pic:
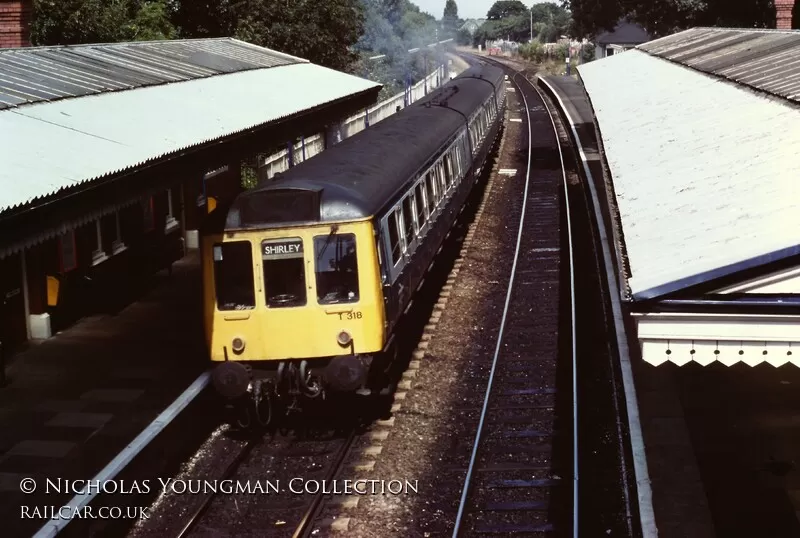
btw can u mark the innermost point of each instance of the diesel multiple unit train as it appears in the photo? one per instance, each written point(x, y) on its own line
point(306, 277)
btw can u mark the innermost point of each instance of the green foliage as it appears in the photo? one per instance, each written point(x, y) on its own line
point(323, 32)
point(550, 22)
point(393, 27)
point(450, 20)
point(663, 17)
point(328, 29)
point(249, 175)
point(152, 23)
point(204, 18)
point(533, 51)
point(464, 37)
point(537, 53)
point(67, 22)
point(418, 29)
point(506, 8)
point(587, 53)
point(514, 28)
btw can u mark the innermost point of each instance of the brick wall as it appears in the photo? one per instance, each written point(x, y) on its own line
point(784, 14)
point(15, 23)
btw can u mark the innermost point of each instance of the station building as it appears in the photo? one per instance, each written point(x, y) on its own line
point(701, 149)
point(112, 155)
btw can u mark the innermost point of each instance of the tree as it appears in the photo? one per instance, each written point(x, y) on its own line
point(450, 18)
point(322, 32)
point(464, 37)
point(379, 35)
point(663, 17)
point(506, 8)
point(590, 17)
point(204, 18)
point(550, 21)
point(67, 22)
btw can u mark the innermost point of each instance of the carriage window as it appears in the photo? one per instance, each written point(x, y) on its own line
point(284, 272)
point(336, 268)
point(440, 178)
point(431, 195)
point(447, 170)
point(408, 219)
point(233, 276)
point(394, 237)
point(420, 205)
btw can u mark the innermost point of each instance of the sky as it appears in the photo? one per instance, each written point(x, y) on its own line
point(467, 9)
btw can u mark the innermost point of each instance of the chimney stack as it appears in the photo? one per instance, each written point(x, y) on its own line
point(783, 10)
point(15, 23)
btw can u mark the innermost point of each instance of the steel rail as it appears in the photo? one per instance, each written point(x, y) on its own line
point(305, 527)
point(473, 456)
point(640, 469)
point(229, 471)
point(572, 319)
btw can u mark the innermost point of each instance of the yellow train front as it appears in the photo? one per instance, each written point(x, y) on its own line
point(308, 277)
point(282, 293)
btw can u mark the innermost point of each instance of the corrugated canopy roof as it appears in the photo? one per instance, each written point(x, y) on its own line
point(34, 74)
point(766, 60)
point(49, 146)
point(705, 172)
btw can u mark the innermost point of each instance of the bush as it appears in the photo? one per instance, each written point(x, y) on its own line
point(561, 53)
point(587, 53)
point(533, 52)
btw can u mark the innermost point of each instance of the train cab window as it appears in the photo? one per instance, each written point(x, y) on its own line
point(429, 188)
point(408, 218)
point(284, 272)
point(233, 275)
point(336, 268)
point(420, 204)
point(394, 237)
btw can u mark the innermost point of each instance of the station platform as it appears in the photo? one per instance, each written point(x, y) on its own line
point(679, 499)
point(74, 401)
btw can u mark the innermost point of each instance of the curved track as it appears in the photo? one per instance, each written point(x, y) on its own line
point(532, 379)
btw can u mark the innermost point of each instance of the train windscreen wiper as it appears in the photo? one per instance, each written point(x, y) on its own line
point(334, 229)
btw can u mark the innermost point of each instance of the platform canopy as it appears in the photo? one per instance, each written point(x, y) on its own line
point(71, 115)
point(701, 136)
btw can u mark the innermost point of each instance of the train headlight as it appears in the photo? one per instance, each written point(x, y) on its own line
point(344, 338)
point(237, 345)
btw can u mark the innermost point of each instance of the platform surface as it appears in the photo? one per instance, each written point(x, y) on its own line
point(74, 401)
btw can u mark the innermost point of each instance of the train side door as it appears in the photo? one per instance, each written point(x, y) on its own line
point(393, 260)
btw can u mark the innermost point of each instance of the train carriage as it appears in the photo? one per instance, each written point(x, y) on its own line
point(306, 277)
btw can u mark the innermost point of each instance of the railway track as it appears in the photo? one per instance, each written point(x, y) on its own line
point(319, 458)
point(523, 470)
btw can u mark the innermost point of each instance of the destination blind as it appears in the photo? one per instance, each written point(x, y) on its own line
point(282, 248)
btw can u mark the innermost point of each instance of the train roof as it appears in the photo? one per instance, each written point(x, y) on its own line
point(361, 175)
point(491, 73)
